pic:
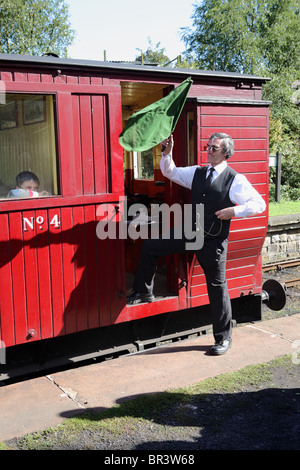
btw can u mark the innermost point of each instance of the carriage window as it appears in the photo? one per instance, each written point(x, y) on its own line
point(27, 145)
point(143, 164)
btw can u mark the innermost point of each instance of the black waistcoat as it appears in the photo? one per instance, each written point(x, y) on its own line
point(215, 198)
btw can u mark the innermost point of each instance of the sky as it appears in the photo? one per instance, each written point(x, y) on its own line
point(122, 27)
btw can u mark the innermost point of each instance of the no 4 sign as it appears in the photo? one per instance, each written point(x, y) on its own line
point(31, 223)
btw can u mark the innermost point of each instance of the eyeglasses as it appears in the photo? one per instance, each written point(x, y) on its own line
point(213, 148)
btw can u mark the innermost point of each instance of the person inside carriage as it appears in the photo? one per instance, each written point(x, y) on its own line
point(27, 185)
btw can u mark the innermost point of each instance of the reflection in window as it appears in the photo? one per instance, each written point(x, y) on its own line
point(143, 165)
point(27, 146)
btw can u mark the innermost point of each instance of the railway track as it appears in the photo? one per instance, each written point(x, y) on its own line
point(281, 265)
point(292, 282)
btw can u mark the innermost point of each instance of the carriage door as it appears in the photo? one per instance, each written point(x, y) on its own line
point(184, 155)
point(99, 179)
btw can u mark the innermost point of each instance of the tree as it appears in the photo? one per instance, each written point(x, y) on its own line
point(261, 38)
point(244, 36)
point(35, 27)
point(285, 131)
point(284, 110)
point(154, 54)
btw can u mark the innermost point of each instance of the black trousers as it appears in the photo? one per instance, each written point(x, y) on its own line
point(212, 259)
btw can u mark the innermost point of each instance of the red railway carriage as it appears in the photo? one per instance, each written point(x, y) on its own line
point(61, 119)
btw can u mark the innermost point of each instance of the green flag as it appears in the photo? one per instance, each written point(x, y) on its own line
point(156, 122)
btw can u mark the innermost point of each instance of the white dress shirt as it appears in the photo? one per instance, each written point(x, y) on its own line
point(248, 200)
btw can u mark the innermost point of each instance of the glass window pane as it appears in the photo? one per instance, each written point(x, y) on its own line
point(28, 165)
point(143, 165)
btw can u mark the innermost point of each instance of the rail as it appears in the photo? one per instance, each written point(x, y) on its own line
point(292, 282)
point(281, 265)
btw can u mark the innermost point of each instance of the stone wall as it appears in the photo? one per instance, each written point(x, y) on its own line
point(283, 239)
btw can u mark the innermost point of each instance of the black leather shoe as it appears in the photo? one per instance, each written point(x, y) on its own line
point(138, 298)
point(221, 348)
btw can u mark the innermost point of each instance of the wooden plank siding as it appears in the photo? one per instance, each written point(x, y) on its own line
point(56, 276)
point(248, 126)
point(57, 280)
point(54, 279)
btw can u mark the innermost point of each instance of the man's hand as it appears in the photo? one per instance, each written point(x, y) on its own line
point(167, 145)
point(225, 214)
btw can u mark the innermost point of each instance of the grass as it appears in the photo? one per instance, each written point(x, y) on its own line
point(284, 207)
point(144, 411)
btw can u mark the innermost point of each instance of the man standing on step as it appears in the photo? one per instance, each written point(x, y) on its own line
point(224, 194)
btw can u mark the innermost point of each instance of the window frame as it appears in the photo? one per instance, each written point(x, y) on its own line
point(19, 97)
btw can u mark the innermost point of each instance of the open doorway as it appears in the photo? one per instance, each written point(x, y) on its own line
point(144, 182)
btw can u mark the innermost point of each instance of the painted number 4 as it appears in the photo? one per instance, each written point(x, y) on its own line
point(29, 222)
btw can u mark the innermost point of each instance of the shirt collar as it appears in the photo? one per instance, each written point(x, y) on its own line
point(219, 168)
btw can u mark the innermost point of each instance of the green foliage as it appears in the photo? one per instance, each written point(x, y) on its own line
point(35, 27)
point(244, 36)
point(154, 54)
point(290, 172)
point(281, 39)
point(284, 133)
point(284, 207)
point(290, 169)
point(260, 38)
point(285, 113)
point(222, 37)
point(184, 62)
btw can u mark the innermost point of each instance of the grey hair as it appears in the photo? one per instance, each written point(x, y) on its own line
point(228, 143)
